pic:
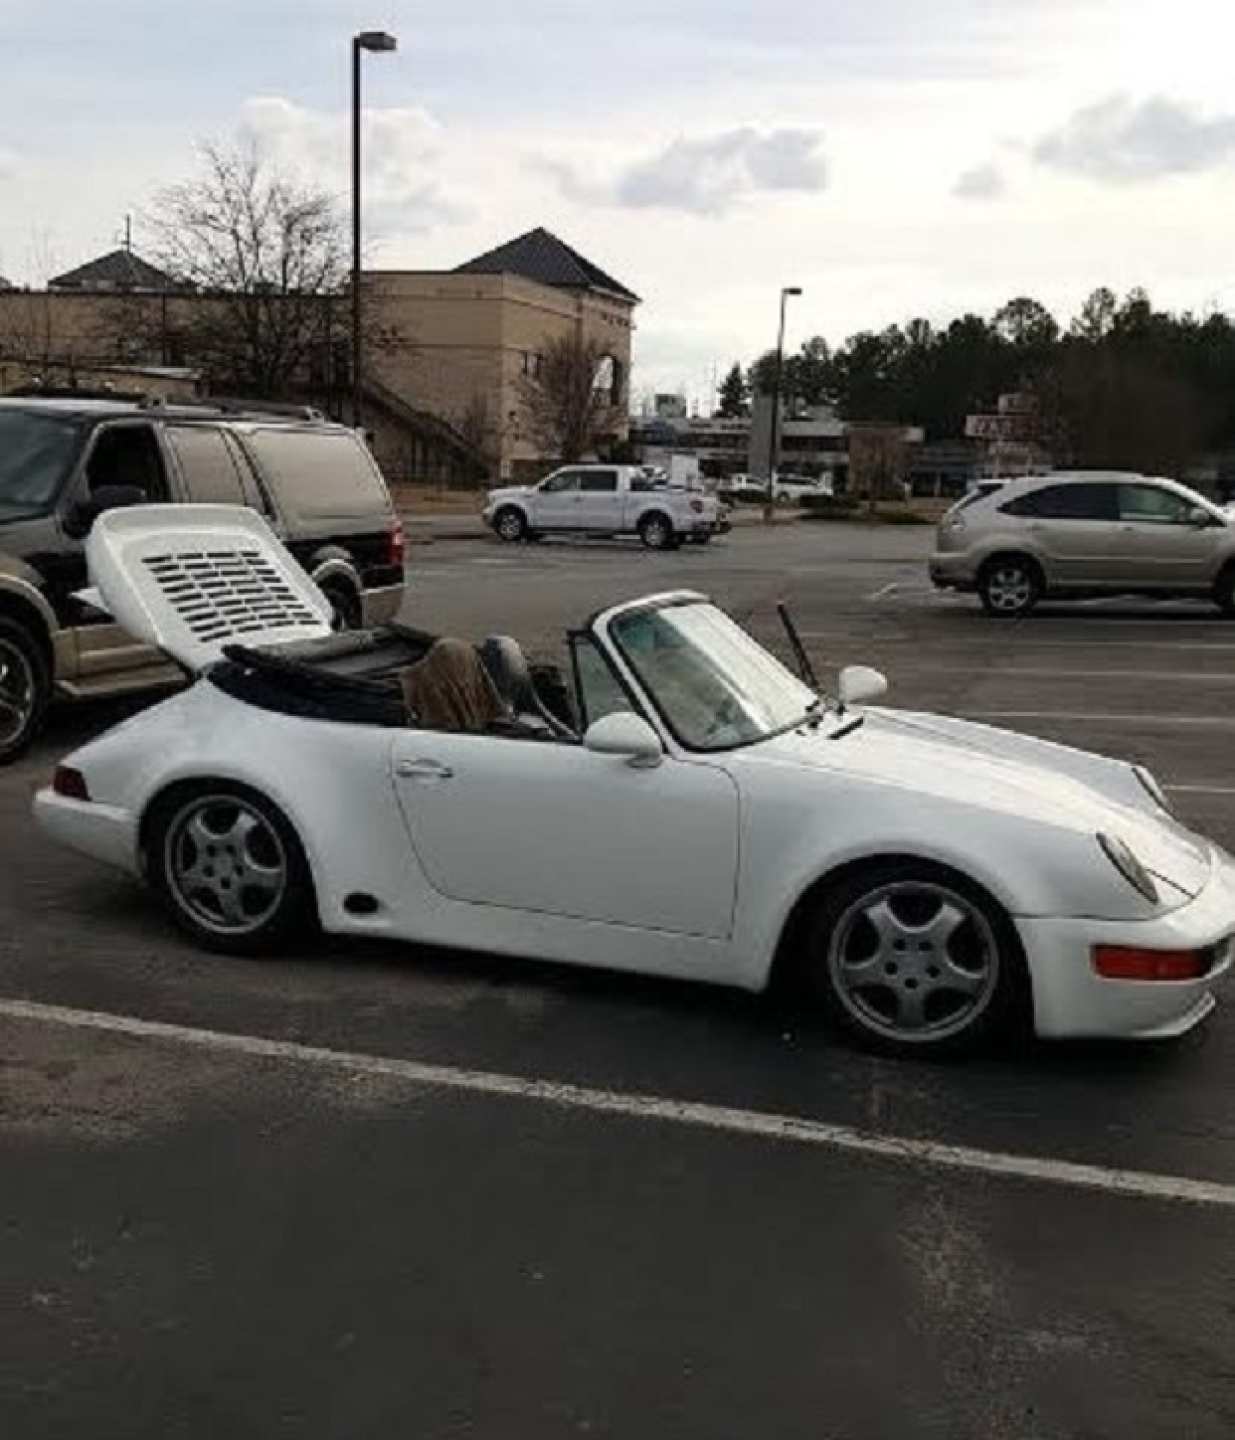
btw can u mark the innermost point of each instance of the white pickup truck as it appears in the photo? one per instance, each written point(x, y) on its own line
point(605, 500)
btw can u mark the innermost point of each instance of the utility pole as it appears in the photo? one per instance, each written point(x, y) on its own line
point(774, 425)
point(374, 41)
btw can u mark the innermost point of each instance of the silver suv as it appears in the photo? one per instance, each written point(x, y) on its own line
point(1085, 533)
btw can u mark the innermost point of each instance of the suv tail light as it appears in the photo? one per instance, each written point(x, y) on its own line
point(70, 783)
point(1127, 962)
point(396, 545)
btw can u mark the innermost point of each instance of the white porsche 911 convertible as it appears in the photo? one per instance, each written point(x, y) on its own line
point(671, 800)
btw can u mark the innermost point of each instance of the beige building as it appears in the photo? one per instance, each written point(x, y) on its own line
point(471, 338)
point(444, 402)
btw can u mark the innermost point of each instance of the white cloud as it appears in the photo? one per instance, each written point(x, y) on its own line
point(1123, 142)
point(403, 156)
point(983, 182)
point(10, 165)
point(707, 175)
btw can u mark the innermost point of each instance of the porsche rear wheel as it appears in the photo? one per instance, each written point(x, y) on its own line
point(230, 868)
point(913, 958)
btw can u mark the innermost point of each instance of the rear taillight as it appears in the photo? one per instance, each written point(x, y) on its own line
point(396, 545)
point(70, 783)
point(697, 506)
point(1127, 962)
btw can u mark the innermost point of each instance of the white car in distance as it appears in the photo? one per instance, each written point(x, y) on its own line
point(691, 809)
point(604, 500)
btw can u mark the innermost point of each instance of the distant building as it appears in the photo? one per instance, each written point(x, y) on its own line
point(444, 400)
point(669, 407)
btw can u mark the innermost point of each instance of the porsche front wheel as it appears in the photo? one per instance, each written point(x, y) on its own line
point(230, 868)
point(914, 958)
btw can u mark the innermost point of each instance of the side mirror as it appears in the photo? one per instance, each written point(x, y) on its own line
point(1198, 517)
point(81, 516)
point(859, 683)
point(628, 734)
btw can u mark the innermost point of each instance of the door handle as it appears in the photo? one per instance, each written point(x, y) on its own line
point(422, 769)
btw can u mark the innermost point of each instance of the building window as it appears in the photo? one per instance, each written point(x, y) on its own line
point(531, 364)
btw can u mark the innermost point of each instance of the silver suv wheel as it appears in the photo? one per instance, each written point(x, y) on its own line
point(1009, 587)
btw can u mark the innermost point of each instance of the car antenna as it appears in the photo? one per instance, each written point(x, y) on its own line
point(805, 668)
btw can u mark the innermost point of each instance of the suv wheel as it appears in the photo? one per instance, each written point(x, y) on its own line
point(510, 525)
point(25, 688)
point(345, 604)
point(1009, 586)
point(1224, 591)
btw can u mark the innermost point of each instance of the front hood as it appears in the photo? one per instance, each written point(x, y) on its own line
point(193, 579)
point(509, 492)
point(1014, 775)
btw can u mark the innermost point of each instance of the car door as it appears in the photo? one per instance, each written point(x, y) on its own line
point(556, 829)
point(557, 502)
point(1074, 526)
point(600, 505)
point(1165, 546)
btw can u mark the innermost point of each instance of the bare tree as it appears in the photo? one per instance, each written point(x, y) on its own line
point(258, 264)
point(478, 426)
point(574, 400)
point(878, 458)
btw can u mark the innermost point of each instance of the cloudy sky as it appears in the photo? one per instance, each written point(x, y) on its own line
point(890, 157)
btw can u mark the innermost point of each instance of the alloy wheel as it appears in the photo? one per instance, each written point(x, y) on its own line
point(225, 864)
point(914, 961)
point(655, 533)
point(1009, 588)
point(510, 525)
point(18, 692)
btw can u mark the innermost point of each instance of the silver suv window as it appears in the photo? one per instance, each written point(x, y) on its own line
point(1152, 505)
point(1073, 500)
point(598, 481)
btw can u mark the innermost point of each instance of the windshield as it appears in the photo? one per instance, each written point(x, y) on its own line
point(715, 687)
point(36, 452)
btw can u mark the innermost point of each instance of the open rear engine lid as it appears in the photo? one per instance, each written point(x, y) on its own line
point(192, 579)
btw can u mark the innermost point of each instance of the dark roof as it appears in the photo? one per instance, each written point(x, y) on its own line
point(119, 270)
point(542, 257)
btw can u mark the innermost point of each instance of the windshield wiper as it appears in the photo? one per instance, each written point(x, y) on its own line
point(805, 668)
point(848, 727)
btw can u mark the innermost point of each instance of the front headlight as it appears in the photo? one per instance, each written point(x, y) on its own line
point(1119, 853)
point(1149, 783)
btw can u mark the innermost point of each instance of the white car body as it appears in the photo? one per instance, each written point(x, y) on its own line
point(603, 500)
point(789, 489)
point(679, 863)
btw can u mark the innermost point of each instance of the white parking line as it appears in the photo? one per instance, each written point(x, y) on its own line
point(1201, 789)
point(787, 1128)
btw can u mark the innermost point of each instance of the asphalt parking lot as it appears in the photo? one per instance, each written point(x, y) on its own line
point(343, 1193)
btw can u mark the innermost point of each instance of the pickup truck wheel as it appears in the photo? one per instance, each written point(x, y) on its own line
point(510, 525)
point(656, 531)
point(25, 689)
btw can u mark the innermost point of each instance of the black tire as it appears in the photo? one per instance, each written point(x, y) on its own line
point(1224, 591)
point(656, 531)
point(345, 602)
point(175, 845)
point(1009, 586)
point(510, 525)
point(25, 688)
point(889, 987)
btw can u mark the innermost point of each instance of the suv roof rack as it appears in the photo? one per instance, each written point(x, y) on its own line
point(236, 408)
point(35, 391)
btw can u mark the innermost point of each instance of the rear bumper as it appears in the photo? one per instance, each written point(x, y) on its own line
point(104, 832)
point(380, 605)
point(1071, 1000)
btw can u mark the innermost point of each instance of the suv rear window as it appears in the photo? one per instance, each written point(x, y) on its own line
point(320, 474)
point(206, 464)
point(1076, 500)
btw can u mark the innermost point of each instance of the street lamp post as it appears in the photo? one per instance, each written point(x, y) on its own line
point(372, 40)
point(774, 426)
